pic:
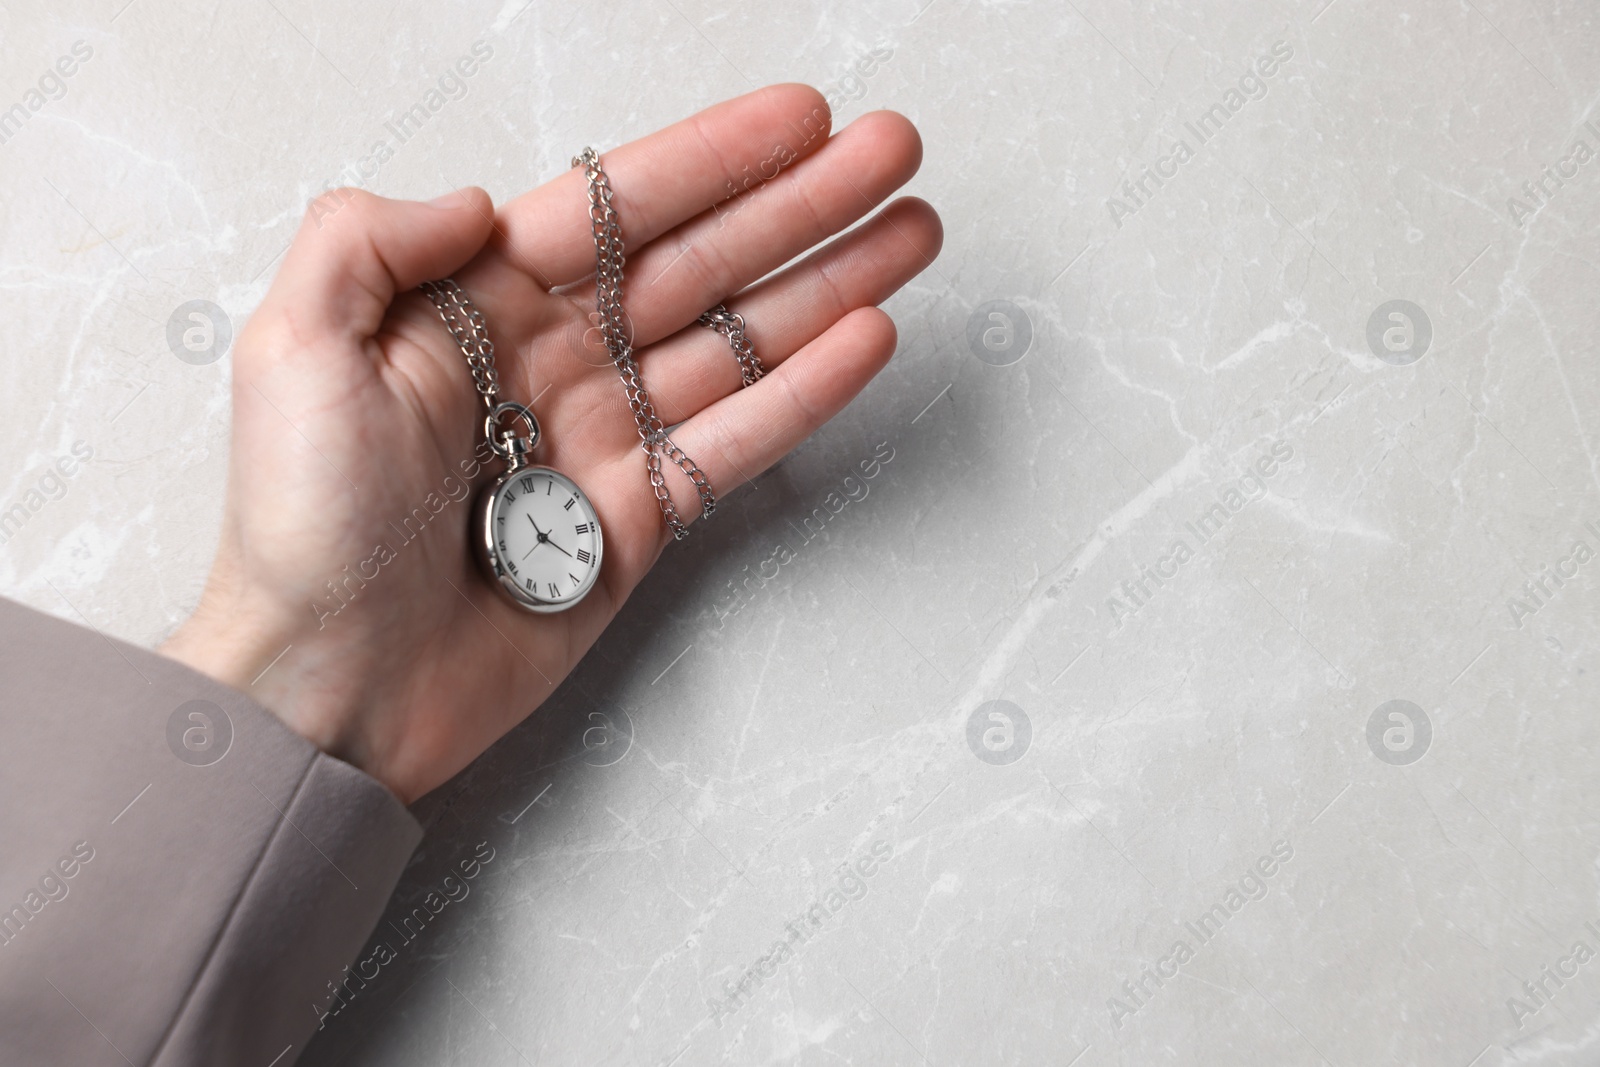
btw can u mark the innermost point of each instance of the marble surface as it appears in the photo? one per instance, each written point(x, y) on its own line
point(1068, 737)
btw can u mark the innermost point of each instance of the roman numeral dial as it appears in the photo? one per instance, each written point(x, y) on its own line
point(542, 537)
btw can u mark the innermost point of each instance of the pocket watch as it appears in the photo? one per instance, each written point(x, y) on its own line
point(538, 535)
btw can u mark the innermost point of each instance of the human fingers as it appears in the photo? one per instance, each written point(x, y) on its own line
point(744, 433)
point(356, 250)
point(676, 277)
point(695, 367)
point(664, 178)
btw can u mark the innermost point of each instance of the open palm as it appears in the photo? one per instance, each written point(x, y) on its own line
point(345, 572)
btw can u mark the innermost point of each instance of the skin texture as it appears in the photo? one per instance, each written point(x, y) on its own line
point(351, 404)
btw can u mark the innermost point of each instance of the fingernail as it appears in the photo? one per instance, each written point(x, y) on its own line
point(450, 200)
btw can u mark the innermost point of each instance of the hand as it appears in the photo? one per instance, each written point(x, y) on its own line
point(354, 411)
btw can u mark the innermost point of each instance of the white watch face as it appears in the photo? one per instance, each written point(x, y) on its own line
point(545, 538)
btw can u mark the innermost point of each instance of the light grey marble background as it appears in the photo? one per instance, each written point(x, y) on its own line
point(1193, 499)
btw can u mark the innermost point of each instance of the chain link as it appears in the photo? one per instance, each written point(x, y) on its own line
point(610, 257)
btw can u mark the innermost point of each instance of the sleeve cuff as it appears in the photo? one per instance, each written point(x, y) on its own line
point(223, 870)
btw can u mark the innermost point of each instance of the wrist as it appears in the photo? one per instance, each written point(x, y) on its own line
point(233, 647)
point(276, 661)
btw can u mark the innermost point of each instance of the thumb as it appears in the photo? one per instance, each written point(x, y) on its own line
point(356, 250)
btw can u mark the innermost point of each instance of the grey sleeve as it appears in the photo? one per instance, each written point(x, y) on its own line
point(181, 875)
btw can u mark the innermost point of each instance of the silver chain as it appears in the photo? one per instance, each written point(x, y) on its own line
point(471, 332)
point(730, 324)
point(609, 260)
